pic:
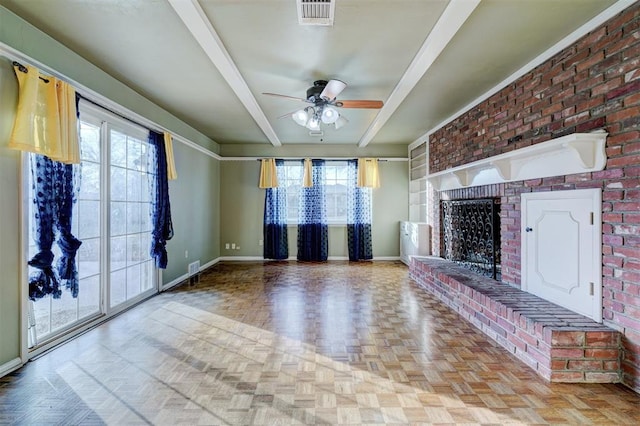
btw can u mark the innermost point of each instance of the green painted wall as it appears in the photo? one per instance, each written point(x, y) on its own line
point(194, 195)
point(9, 221)
point(195, 201)
point(242, 206)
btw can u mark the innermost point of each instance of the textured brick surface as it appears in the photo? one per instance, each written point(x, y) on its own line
point(558, 344)
point(593, 83)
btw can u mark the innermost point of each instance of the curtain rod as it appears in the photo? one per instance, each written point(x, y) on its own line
point(24, 69)
point(320, 158)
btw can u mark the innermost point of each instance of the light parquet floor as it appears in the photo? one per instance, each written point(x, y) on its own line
point(285, 343)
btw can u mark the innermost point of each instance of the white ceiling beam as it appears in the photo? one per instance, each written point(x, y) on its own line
point(196, 21)
point(453, 17)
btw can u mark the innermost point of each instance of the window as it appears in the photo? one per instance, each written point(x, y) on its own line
point(336, 191)
point(112, 219)
point(336, 173)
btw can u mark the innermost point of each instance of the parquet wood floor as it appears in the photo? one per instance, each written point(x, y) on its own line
point(297, 343)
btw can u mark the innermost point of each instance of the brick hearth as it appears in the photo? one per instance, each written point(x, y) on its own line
point(560, 345)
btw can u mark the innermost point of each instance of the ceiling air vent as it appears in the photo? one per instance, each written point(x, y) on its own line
point(315, 12)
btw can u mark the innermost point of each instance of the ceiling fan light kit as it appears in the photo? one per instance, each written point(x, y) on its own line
point(323, 96)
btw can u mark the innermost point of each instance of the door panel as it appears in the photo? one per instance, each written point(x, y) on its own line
point(561, 254)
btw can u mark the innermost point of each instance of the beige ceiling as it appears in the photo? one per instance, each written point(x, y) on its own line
point(208, 61)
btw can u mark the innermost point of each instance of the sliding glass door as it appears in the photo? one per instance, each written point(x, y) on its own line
point(111, 218)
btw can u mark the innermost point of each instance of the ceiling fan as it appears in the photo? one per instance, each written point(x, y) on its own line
point(322, 97)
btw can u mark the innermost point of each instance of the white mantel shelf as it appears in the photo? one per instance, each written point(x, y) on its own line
point(566, 155)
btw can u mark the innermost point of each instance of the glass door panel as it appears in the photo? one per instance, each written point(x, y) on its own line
point(131, 266)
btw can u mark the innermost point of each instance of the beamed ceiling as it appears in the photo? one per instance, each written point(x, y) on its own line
point(209, 61)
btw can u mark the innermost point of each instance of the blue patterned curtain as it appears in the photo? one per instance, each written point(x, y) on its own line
point(53, 198)
point(358, 217)
point(276, 243)
point(312, 218)
point(161, 208)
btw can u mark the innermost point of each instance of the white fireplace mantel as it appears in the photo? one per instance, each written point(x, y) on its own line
point(570, 154)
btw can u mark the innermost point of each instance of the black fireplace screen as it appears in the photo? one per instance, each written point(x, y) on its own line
point(471, 234)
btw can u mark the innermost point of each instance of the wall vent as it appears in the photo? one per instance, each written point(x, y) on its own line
point(315, 12)
point(194, 271)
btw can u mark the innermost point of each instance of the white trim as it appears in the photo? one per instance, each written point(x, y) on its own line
point(258, 258)
point(451, 20)
point(566, 155)
point(302, 158)
point(185, 277)
point(242, 258)
point(590, 25)
point(196, 21)
point(24, 254)
point(209, 264)
point(10, 366)
point(174, 282)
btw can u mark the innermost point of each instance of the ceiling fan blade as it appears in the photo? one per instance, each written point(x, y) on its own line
point(287, 115)
point(287, 97)
point(360, 104)
point(332, 89)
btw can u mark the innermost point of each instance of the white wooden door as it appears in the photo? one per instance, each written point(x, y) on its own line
point(561, 249)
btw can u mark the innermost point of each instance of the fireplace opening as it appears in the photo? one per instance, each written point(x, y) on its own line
point(471, 234)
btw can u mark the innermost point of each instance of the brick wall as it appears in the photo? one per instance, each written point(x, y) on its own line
point(594, 83)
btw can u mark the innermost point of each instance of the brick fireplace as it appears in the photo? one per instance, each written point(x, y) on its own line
point(593, 83)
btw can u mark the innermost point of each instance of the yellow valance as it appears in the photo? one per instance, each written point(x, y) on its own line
point(172, 174)
point(368, 175)
point(307, 175)
point(46, 119)
point(268, 173)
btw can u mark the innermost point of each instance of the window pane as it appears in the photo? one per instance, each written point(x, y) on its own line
point(134, 155)
point(118, 218)
point(118, 149)
point(133, 218)
point(89, 258)
point(118, 184)
point(148, 278)
point(134, 185)
point(89, 296)
point(89, 142)
point(118, 253)
point(64, 311)
point(88, 217)
point(89, 181)
point(117, 286)
point(133, 281)
point(134, 254)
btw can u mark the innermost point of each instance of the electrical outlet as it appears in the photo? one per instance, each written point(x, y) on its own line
point(226, 246)
point(186, 254)
point(233, 246)
point(260, 242)
point(237, 247)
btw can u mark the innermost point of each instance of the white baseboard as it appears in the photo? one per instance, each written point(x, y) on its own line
point(242, 258)
point(209, 264)
point(184, 277)
point(258, 258)
point(10, 366)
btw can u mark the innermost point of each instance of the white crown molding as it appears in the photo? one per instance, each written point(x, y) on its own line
point(566, 155)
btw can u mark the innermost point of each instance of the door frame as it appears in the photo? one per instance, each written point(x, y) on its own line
point(595, 195)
